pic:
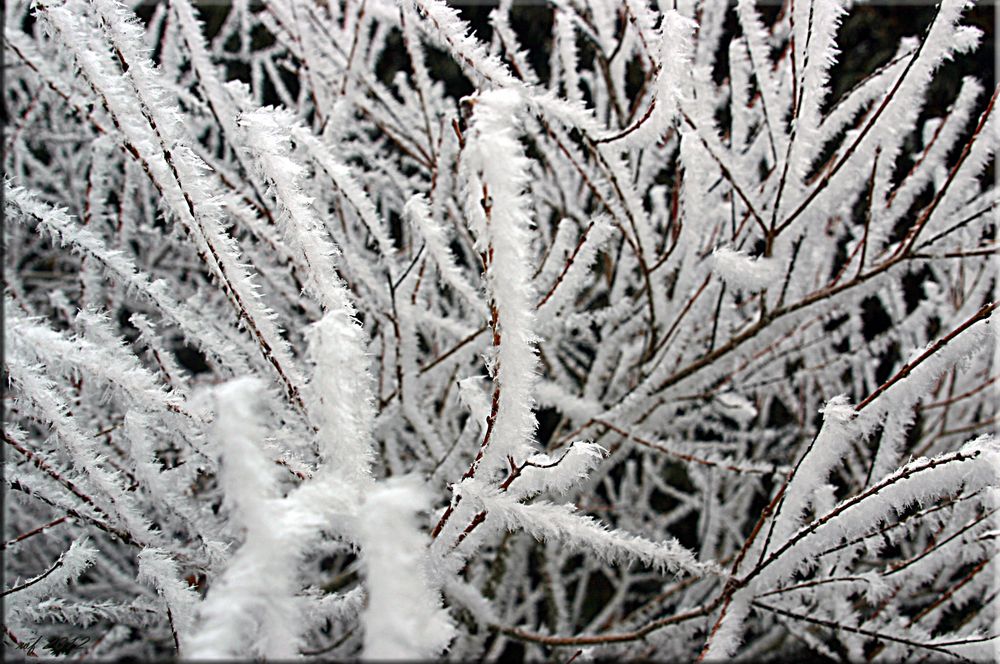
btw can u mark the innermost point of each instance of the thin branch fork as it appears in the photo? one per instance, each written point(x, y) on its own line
point(652, 605)
point(680, 316)
point(775, 505)
point(640, 255)
point(569, 263)
point(30, 582)
point(798, 94)
point(866, 632)
point(599, 639)
point(728, 175)
point(864, 132)
point(901, 374)
point(487, 205)
point(625, 132)
point(762, 323)
point(41, 464)
point(395, 136)
point(767, 350)
point(862, 246)
point(949, 502)
point(951, 400)
point(515, 472)
point(81, 516)
point(773, 315)
point(958, 225)
point(215, 263)
point(679, 455)
point(985, 312)
point(829, 516)
point(911, 239)
point(936, 546)
point(632, 242)
point(950, 592)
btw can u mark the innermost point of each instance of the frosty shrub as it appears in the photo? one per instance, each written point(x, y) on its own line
point(337, 329)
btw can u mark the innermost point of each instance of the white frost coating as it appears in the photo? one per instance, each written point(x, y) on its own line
point(896, 404)
point(736, 406)
point(816, 25)
point(340, 391)
point(557, 472)
point(344, 180)
point(495, 167)
point(565, 39)
point(99, 353)
point(598, 232)
point(971, 469)
point(557, 252)
point(266, 135)
point(436, 239)
point(744, 273)
point(70, 564)
point(674, 70)
point(551, 394)
point(339, 606)
point(473, 397)
point(158, 569)
point(470, 599)
point(561, 524)
point(162, 148)
point(41, 392)
point(831, 444)
point(247, 478)
point(632, 350)
point(251, 610)
point(404, 618)
point(20, 203)
point(758, 48)
point(201, 60)
point(471, 54)
point(723, 644)
point(965, 182)
point(939, 136)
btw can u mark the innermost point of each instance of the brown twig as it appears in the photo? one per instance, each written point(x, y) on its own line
point(31, 533)
point(836, 626)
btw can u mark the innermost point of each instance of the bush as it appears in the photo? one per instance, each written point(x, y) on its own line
point(334, 329)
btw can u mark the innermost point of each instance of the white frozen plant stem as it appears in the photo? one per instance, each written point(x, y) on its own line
point(499, 213)
point(404, 618)
point(251, 610)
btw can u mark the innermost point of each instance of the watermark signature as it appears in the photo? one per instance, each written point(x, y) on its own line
point(57, 645)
